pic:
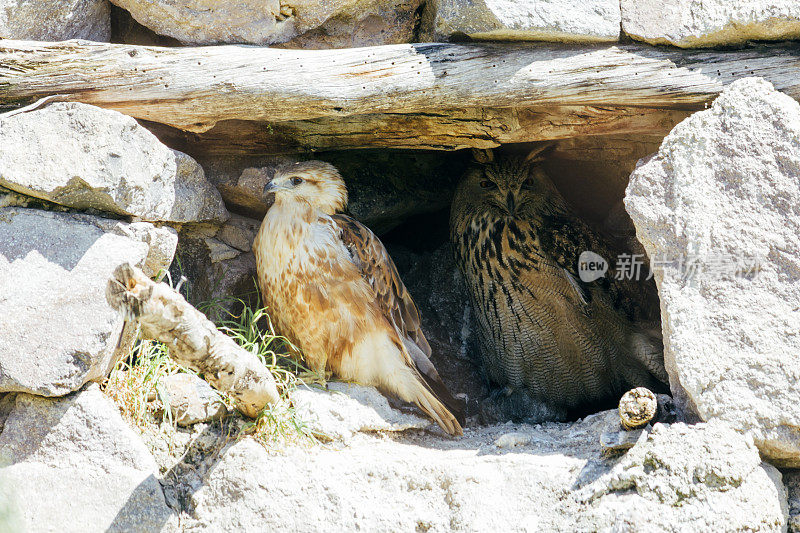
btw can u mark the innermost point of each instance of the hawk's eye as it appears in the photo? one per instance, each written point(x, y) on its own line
point(488, 184)
point(529, 184)
point(297, 181)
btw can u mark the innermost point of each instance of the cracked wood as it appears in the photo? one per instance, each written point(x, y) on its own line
point(434, 95)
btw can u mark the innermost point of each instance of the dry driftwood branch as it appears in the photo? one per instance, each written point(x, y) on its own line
point(637, 408)
point(164, 315)
point(195, 88)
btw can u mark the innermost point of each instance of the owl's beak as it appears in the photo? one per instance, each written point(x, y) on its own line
point(510, 202)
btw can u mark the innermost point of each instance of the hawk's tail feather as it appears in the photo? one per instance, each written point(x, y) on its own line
point(427, 372)
point(441, 393)
point(426, 400)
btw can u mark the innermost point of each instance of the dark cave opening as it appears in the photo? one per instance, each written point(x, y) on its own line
point(591, 175)
point(404, 196)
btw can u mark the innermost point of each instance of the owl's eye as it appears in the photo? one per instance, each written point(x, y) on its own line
point(488, 184)
point(529, 184)
point(297, 181)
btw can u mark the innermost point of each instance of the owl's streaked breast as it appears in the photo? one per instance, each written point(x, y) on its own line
point(533, 333)
point(507, 274)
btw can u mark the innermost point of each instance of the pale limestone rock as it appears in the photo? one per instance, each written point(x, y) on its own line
point(84, 157)
point(705, 477)
point(57, 330)
point(10, 519)
point(298, 23)
point(163, 240)
point(538, 20)
point(698, 23)
point(616, 439)
point(241, 181)
point(510, 477)
point(192, 400)
point(378, 484)
point(722, 195)
point(55, 20)
point(347, 408)
point(513, 440)
point(73, 465)
point(239, 232)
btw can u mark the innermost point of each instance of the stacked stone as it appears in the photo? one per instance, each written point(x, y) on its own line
point(83, 190)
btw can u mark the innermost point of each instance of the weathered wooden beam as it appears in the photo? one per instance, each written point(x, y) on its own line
point(447, 129)
point(195, 88)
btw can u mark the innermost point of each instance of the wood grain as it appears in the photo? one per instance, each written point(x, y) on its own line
point(411, 95)
point(447, 129)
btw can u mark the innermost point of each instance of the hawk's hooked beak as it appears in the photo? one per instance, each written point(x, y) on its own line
point(271, 187)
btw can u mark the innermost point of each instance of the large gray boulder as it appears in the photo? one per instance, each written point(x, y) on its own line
point(57, 331)
point(502, 478)
point(55, 20)
point(698, 23)
point(72, 464)
point(84, 157)
point(303, 23)
point(676, 474)
point(537, 20)
point(717, 209)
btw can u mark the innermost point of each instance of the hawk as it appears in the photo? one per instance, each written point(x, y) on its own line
point(556, 346)
point(333, 290)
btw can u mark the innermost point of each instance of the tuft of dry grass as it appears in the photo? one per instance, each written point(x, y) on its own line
point(252, 328)
point(136, 386)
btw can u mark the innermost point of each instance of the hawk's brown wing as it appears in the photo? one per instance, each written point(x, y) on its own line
point(372, 259)
point(378, 269)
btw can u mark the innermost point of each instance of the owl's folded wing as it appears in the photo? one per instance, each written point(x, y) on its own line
point(567, 237)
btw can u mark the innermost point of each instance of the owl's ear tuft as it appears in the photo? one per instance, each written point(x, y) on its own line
point(483, 156)
point(541, 152)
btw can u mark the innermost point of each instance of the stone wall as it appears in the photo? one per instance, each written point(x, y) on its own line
point(84, 189)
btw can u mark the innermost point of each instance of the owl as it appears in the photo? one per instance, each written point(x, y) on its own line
point(554, 345)
point(332, 288)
